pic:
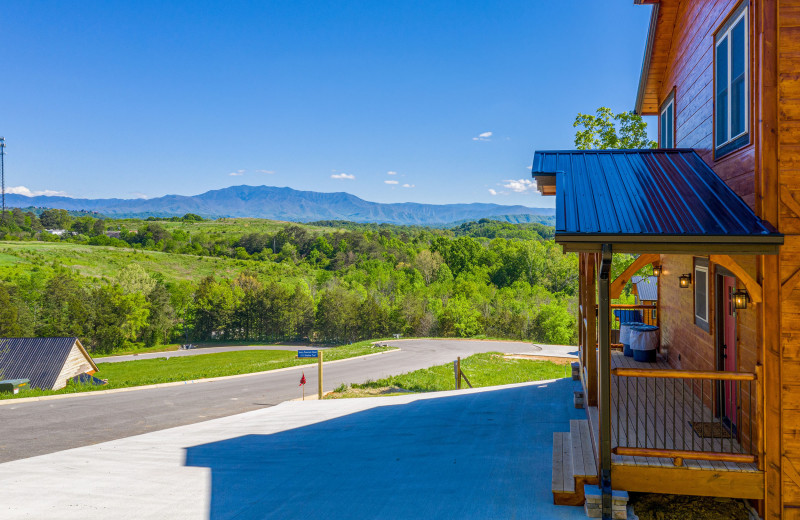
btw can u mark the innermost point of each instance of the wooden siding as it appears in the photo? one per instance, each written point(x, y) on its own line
point(788, 178)
point(75, 365)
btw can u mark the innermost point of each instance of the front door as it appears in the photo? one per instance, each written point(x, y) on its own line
point(728, 345)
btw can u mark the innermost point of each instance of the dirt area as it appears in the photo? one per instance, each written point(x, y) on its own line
point(367, 392)
point(653, 506)
point(556, 360)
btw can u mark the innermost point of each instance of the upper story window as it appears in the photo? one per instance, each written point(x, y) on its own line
point(667, 121)
point(732, 58)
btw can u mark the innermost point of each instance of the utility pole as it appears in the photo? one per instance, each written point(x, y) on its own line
point(3, 172)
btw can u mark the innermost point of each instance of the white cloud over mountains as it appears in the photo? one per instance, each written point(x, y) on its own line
point(520, 185)
point(343, 176)
point(391, 182)
point(485, 136)
point(22, 190)
point(237, 173)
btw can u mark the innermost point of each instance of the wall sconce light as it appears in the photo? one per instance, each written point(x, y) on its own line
point(656, 270)
point(741, 299)
point(686, 280)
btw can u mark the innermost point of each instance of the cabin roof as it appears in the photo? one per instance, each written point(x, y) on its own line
point(38, 359)
point(646, 287)
point(656, 55)
point(648, 201)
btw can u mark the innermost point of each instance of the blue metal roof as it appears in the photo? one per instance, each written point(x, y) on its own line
point(649, 200)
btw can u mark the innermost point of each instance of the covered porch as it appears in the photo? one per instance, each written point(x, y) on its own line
point(660, 427)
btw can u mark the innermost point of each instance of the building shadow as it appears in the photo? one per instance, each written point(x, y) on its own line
point(472, 455)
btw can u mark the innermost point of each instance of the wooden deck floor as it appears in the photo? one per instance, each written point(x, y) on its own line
point(658, 415)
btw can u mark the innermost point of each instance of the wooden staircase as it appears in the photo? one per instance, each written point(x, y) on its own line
point(574, 464)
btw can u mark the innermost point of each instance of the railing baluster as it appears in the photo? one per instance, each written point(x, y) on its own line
point(627, 412)
point(665, 413)
point(750, 416)
point(636, 423)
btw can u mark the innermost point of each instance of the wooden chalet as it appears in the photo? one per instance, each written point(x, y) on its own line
point(717, 208)
point(49, 363)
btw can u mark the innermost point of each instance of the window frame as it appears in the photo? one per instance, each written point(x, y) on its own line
point(724, 34)
point(668, 102)
point(701, 264)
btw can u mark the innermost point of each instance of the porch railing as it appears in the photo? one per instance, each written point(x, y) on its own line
point(684, 414)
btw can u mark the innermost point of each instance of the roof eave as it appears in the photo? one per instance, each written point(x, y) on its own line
point(768, 244)
point(648, 52)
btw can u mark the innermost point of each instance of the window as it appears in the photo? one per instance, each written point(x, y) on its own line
point(667, 120)
point(701, 293)
point(731, 59)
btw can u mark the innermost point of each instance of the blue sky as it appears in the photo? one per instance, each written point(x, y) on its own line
point(146, 98)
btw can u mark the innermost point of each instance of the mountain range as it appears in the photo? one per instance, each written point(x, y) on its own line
point(286, 204)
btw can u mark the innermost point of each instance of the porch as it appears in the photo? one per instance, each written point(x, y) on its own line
point(693, 421)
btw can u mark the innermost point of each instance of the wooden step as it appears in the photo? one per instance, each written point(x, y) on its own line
point(584, 462)
point(576, 371)
point(563, 485)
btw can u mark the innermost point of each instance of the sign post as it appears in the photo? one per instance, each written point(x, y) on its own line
point(314, 354)
point(320, 375)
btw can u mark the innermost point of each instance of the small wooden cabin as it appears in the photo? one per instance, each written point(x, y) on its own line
point(717, 208)
point(47, 362)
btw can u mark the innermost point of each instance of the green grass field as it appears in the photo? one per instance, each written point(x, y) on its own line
point(105, 262)
point(488, 369)
point(165, 370)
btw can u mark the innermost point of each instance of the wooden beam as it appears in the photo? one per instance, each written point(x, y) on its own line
point(789, 285)
point(683, 481)
point(591, 331)
point(619, 284)
point(684, 454)
point(752, 286)
point(788, 199)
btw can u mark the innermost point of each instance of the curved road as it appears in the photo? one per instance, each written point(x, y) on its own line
point(40, 427)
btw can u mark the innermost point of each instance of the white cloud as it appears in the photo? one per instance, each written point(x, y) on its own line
point(485, 136)
point(391, 182)
point(266, 171)
point(520, 185)
point(22, 190)
point(492, 192)
point(138, 195)
point(343, 176)
point(408, 185)
point(237, 173)
point(391, 173)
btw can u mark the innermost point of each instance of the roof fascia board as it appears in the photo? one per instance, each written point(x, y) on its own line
point(648, 52)
point(678, 248)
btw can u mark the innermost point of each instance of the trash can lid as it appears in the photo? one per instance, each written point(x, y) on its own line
point(644, 328)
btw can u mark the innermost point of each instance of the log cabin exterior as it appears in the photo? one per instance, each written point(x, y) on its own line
point(723, 77)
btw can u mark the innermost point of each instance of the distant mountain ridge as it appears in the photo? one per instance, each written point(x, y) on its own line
point(282, 204)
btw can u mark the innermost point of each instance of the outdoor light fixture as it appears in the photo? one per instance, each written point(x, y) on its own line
point(686, 281)
point(740, 299)
point(656, 270)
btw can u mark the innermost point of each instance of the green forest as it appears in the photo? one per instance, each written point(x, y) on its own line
point(138, 283)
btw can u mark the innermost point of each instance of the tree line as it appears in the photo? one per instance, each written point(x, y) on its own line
point(335, 286)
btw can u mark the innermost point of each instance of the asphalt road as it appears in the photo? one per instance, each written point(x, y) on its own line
point(40, 427)
point(195, 352)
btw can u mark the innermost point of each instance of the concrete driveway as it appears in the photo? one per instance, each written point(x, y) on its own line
point(472, 454)
point(36, 428)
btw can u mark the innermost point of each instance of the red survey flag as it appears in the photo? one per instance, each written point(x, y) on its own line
point(303, 379)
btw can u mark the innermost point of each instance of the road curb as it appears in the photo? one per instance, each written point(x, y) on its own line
point(23, 400)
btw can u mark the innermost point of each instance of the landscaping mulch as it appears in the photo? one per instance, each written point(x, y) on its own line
point(654, 506)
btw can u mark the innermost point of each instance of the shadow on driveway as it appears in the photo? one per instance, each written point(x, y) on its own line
point(477, 454)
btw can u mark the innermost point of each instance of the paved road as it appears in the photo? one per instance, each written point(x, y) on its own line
point(40, 427)
point(195, 352)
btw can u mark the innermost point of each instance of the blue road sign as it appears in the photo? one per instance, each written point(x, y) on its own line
point(307, 353)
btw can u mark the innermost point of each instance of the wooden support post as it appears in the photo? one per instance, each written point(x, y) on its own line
point(604, 365)
point(591, 333)
point(457, 371)
point(320, 374)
